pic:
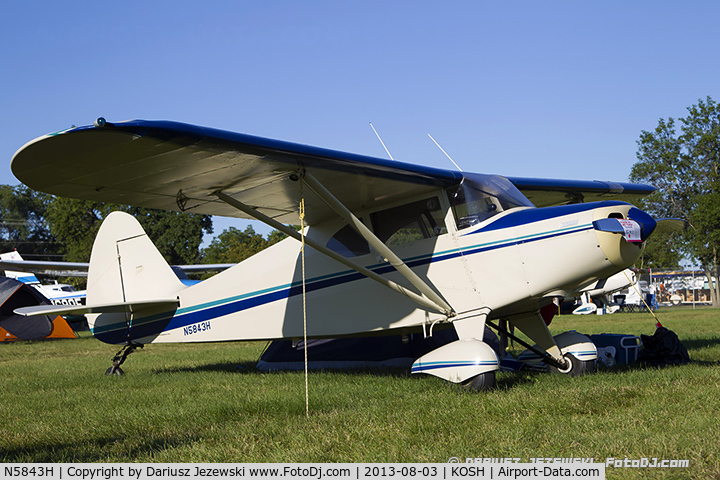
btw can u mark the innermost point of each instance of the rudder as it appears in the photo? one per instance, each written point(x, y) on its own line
point(125, 266)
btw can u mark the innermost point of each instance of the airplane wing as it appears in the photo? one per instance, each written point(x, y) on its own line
point(61, 269)
point(543, 192)
point(204, 268)
point(175, 166)
point(80, 269)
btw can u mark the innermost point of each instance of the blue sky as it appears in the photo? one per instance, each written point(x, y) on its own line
point(524, 88)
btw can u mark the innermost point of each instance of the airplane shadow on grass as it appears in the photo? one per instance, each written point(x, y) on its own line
point(250, 368)
point(228, 367)
point(504, 382)
point(96, 449)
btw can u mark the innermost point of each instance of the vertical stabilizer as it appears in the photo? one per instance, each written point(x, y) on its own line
point(125, 266)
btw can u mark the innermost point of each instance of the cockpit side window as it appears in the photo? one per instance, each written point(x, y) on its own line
point(348, 243)
point(410, 222)
point(479, 197)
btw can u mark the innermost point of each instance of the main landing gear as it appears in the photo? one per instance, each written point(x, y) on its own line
point(120, 358)
point(574, 367)
point(467, 361)
point(577, 350)
point(484, 381)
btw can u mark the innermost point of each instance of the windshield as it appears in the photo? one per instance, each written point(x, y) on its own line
point(478, 197)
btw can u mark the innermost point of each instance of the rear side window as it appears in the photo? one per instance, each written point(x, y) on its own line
point(348, 243)
point(410, 222)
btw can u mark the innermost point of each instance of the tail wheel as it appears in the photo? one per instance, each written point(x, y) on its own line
point(575, 367)
point(484, 381)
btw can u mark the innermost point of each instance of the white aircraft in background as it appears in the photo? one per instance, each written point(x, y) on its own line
point(602, 290)
point(395, 247)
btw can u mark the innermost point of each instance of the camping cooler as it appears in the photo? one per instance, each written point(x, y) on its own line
point(626, 346)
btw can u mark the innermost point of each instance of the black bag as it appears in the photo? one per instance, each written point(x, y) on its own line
point(663, 348)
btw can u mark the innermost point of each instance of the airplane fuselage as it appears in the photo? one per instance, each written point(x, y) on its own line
point(510, 264)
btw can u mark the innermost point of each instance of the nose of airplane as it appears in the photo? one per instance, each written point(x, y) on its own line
point(636, 228)
point(646, 222)
point(621, 239)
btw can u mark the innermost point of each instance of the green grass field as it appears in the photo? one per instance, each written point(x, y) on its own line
point(207, 403)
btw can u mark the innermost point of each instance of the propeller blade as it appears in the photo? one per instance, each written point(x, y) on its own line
point(647, 223)
point(668, 225)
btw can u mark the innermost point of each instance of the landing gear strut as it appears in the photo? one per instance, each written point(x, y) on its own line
point(120, 357)
point(544, 355)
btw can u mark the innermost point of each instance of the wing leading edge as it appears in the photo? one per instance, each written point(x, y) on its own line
point(176, 166)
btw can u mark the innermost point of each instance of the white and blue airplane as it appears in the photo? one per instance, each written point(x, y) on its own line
point(395, 247)
point(601, 292)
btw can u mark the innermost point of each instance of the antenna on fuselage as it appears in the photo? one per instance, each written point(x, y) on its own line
point(383, 143)
point(446, 154)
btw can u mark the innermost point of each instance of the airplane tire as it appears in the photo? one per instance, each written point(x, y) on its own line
point(576, 367)
point(484, 381)
point(114, 371)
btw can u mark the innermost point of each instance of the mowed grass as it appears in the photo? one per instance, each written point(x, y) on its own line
point(207, 403)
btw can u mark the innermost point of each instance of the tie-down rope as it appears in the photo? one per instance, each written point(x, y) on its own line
point(302, 253)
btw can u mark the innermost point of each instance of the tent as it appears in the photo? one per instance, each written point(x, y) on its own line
point(15, 294)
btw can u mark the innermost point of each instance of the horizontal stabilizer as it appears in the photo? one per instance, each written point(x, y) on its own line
point(122, 307)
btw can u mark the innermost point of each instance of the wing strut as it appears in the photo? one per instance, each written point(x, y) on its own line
point(422, 301)
point(376, 243)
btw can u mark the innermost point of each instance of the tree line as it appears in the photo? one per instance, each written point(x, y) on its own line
point(44, 227)
point(684, 165)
